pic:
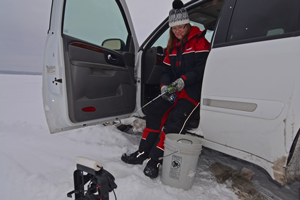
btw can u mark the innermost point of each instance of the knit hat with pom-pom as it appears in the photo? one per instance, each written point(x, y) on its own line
point(178, 15)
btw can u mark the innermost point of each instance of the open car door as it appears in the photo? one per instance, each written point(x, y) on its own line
point(88, 69)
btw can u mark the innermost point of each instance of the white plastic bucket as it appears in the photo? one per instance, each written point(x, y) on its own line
point(180, 160)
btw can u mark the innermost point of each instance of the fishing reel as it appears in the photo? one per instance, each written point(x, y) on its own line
point(173, 97)
point(91, 181)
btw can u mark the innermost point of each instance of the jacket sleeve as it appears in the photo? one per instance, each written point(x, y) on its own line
point(166, 72)
point(201, 53)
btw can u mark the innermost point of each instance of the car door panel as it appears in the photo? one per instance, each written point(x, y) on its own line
point(98, 79)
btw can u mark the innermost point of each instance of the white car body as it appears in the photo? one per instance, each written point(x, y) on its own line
point(249, 98)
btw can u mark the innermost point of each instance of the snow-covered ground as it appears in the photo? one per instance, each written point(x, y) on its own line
point(37, 165)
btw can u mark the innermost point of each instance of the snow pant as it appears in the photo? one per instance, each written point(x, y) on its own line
point(152, 142)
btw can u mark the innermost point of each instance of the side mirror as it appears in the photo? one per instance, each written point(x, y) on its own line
point(114, 44)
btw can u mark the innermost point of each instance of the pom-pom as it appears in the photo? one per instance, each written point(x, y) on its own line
point(177, 4)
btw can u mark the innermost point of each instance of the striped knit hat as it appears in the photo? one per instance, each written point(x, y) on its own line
point(178, 15)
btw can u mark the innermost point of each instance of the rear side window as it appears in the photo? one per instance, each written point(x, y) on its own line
point(95, 21)
point(263, 18)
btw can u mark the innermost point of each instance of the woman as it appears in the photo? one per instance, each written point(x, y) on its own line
point(183, 70)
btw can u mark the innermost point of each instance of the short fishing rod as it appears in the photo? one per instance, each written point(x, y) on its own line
point(168, 90)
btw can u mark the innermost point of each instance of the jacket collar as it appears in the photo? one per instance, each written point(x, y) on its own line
point(195, 31)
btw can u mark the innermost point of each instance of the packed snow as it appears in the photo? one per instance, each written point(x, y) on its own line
point(38, 165)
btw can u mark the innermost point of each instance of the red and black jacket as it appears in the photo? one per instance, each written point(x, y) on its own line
point(188, 62)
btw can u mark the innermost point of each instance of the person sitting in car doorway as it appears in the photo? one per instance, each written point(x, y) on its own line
point(183, 70)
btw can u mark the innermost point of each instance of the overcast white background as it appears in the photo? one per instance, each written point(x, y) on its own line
point(24, 25)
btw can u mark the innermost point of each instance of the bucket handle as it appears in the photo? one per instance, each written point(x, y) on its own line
point(160, 158)
point(186, 140)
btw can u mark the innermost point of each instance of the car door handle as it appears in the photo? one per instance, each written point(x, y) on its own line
point(109, 57)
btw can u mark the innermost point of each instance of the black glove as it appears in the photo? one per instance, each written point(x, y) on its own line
point(177, 85)
point(166, 95)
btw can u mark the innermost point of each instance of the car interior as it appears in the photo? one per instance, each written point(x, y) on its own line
point(204, 16)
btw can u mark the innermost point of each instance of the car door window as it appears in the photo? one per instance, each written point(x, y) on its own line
point(257, 18)
point(96, 22)
point(209, 33)
point(162, 40)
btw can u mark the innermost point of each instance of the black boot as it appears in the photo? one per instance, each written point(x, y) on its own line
point(151, 169)
point(134, 158)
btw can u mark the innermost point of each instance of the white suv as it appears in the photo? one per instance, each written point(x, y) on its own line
point(94, 71)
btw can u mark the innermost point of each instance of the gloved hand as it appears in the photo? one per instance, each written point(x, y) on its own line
point(166, 95)
point(177, 85)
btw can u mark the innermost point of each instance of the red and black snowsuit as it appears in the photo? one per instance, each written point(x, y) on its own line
point(188, 62)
